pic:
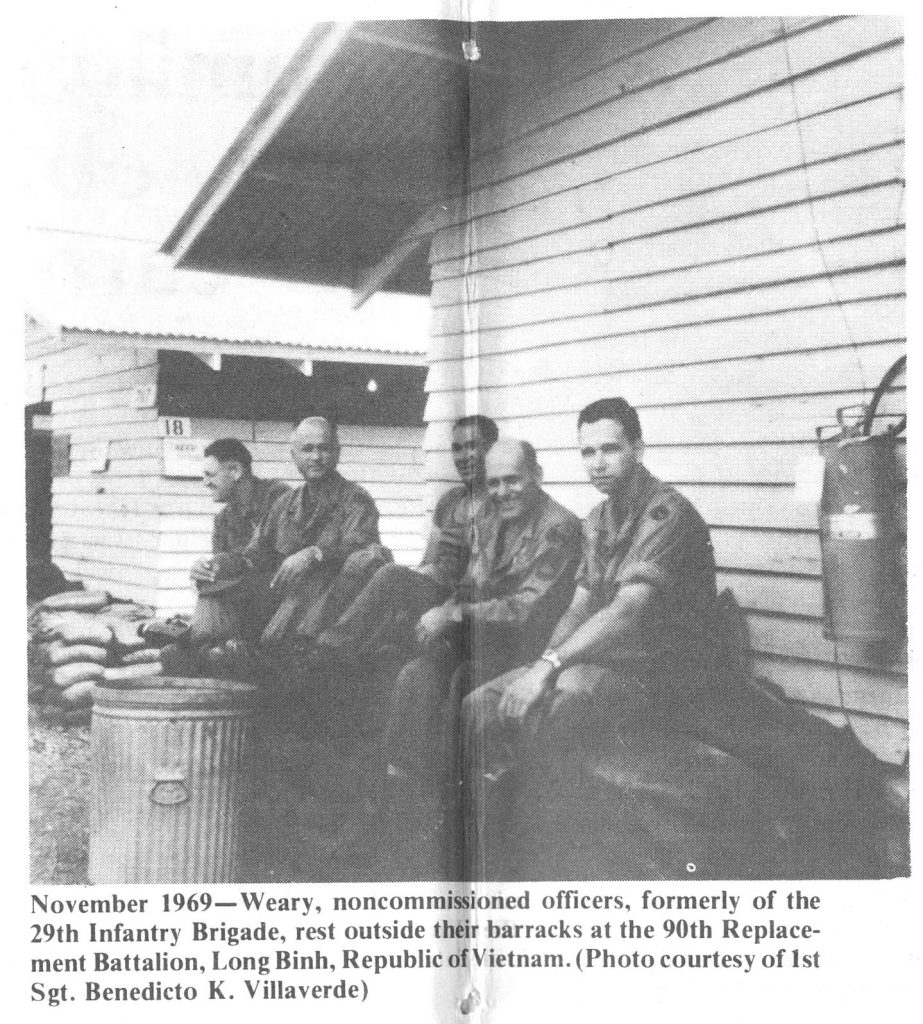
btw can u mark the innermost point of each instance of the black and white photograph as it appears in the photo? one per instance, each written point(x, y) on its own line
point(466, 451)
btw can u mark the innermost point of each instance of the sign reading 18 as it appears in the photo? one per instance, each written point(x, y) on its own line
point(175, 426)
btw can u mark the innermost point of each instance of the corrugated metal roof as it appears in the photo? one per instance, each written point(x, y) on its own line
point(120, 286)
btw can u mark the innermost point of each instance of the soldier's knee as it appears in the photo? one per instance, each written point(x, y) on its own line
point(213, 621)
point(368, 559)
point(478, 709)
point(576, 680)
point(388, 576)
point(411, 680)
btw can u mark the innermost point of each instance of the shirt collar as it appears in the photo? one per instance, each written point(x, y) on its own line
point(625, 509)
point(326, 490)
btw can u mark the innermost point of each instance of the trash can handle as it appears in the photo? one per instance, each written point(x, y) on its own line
point(169, 788)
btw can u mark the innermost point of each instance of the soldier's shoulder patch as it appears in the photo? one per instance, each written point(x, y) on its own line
point(548, 567)
point(660, 512)
point(555, 535)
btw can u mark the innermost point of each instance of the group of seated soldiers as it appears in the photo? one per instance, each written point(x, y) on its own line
point(519, 638)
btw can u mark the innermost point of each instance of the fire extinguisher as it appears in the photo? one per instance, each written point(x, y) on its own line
point(863, 529)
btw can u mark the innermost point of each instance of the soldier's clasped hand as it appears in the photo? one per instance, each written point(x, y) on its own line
point(296, 565)
point(204, 570)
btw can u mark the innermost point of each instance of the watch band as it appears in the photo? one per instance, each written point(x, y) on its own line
point(553, 659)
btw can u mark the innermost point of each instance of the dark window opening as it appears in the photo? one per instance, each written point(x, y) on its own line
point(254, 388)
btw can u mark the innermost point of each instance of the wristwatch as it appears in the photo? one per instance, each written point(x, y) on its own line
point(553, 659)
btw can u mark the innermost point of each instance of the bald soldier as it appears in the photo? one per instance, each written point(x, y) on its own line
point(640, 647)
point(314, 552)
point(639, 628)
point(518, 579)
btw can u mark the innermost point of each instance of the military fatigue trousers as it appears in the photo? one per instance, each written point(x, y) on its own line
point(252, 612)
point(592, 704)
point(385, 614)
point(421, 735)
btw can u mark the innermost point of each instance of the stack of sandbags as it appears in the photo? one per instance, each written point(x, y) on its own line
point(82, 638)
point(70, 647)
point(131, 657)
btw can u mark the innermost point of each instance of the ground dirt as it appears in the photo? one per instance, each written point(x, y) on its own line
point(306, 817)
point(310, 814)
point(59, 761)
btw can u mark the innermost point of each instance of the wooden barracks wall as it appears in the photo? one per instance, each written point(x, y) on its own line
point(711, 224)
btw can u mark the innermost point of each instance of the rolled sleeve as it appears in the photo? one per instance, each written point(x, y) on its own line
point(660, 553)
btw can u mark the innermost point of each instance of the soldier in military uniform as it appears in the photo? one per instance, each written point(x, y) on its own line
point(227, 475)
point(449, 540)
point(315, 550)
point(518, 579)
point(385, 614)
point(641, 614)
point(640, 646)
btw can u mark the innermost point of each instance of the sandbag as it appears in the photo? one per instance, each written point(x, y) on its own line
point(127, 637)
point(82, 630)
point(128, 611)
point(42, 624)
point(146, 656)
point(67, 675)
point(77, 601)
point(126, 672)
point(80, 695)
point(58, 653)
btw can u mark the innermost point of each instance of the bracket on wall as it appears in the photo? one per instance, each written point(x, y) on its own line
point(211, 359)
point(413, 239)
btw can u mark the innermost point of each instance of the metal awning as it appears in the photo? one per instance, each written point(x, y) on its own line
point(364, 134)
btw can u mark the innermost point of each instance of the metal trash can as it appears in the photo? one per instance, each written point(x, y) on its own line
point(169, 760)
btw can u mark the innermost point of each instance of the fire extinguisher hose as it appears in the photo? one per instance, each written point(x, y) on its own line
point(891, 374)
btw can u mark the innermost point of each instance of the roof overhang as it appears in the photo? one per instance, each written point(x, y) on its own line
point(341, 173)
point(210, 347)
point(119, 292)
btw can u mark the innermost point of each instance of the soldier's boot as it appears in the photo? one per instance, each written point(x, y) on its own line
point(184, 661)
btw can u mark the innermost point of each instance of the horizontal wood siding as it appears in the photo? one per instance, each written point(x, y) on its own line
point(104, 529)
point(707, 219)
point(387, 461)
point(135, 532)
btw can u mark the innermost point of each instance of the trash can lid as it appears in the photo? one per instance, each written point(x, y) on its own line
point(174, 691)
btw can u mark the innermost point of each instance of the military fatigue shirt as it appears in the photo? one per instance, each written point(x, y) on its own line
point(449, 543)
point(337, 516)
point(521, 574)
point(655, 535)
point(237, 522)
